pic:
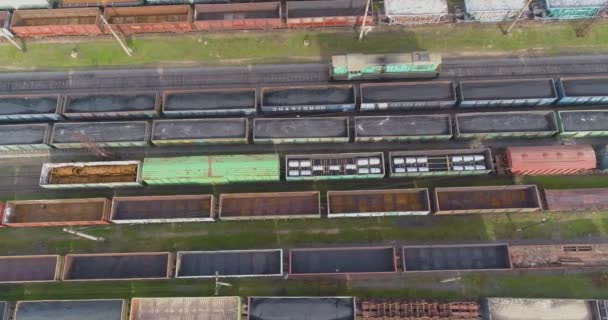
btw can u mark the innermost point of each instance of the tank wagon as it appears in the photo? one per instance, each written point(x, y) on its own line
point(440, 162)
point(411, 12)
point(407, 95)
point(216, 102)
point(327, 13)
point(583, 123)
point(200, 131)
point(308, 99)
point(492, 125)
point(30, 108)
point(300, 130)
point(590, 90)
point(238, 16)
point(507, 93)
point(334, 166)
point(56, 22)
point(357, 66)
point(103, 134)
point(163, 209)
point(111, 105)
point(76, 175)
point(403, 128)
point(378, 203)
point(25, 137)
point(547, 160)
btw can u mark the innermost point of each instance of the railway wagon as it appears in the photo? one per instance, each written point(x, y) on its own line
point(334, 166)
point(56, 22)
point(63, 212)
point(5, 23)
point(456, 258)
point(403, 128)
point(25, 137)
point(300, 130)
point(117, 266)
point(493, 125)
point(487, 199)
point(407, 95)
point(579, 9)
point(98, 3)
point(413, 12)
point(588, 91)
point(493, 11)
point(318, 308)
point(332, 261)
point(22, 269)
point(450, 162)
point(77, 175)
point(507, 93)
point(577, 199)
point(149, 19)
point(308, 99)
point(583, 123)
point(378, 203)
point(357, 66)
point(270, 205)
point(238, 16)
point(209, 102)
point(215, 308)
point(548, 160)
point(107, 309)
point(214, 169)
point(24, 4)
point(163, 209)
point(328, 13)
point(30, 107)
point(229, 263)
point(100, 134)
point(374, 309)
point(505, 308)
point(199, 131)
point(111, 105)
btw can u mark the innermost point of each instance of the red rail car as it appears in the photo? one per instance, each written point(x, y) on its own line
point(547, 160)
point(238, 16)
point(324, 13)
point(56, 22)
point(150, 19)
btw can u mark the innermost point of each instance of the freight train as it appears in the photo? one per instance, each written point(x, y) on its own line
point(385, 66)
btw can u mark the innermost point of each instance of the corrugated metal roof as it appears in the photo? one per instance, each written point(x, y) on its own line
point(494, 5)
point(203, 308)
point(575, 3)
point(212, 169)
point(414, 7)
point(547, 159)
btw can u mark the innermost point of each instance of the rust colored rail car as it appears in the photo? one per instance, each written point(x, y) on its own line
point(271, 205)
point(14, 269)
point(327, 13)
point(150, 19)
point(376, 203)
point(159, 209)
point(64, 212)
point(238, 16)
point(397, 309)
point(487, 199)
point(99, 3)
point(577, 199)
point(56, 22)
point(547, 160)
point(559, 256)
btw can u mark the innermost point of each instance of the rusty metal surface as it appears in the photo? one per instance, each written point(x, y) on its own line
point(286, 204)
point(378, 201)
point(162, 207)
point(577, 199)
point(93, 174)
point(28, 268)
point(397, 309)
point(57, 212)
point(539, 160)
point(487, 199)
point(560, 256)
point(56, 22)
point(129, 20)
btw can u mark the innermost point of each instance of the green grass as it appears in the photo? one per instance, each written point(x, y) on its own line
point(285, 46)
point(566, 182)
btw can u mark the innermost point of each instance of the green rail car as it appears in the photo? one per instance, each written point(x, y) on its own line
point(356, 66)
point(217, 169)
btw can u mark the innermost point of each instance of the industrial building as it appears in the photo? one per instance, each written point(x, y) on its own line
point(209, 102)
point(196, 308)
point(309, 99)
point(450, 162)
point(117, 266)
point(507, 93)
point(28, 107)
point(300, 130)
point(72, 310)
point(100, 134)
point(456, 257)
point(25, 136)
point(163, 209)
point(591, 90)
point(301, 308)
point(16, 269)
point(232, 263)
point(335, 166)
point(111, 105)
point(492, 125)
point(403, 128)
point(199, 131)
point(328, 261)
point(487, 199)
point(583, 123)
point(574, 9)
point(378, 203)
point(407, 95)
point(64, 212)
point(493, 10)
point(75, 175)
point(270, 205)
point(408, 12)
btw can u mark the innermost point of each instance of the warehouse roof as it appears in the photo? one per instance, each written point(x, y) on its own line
point(535, 309)
point(207, 308)
point(116, 266)
point(581, 87)
point(304, 96)
point(300, 308)
point(342, 260)
point(209, 99)
point(413, 7)
point(505, 122)
point(83, 132)
point(28, 268)
point(28, 105)
point(403, 125)
point(300, 128)
point(70, 310)
point(575, 3)
point(230, 263)
point(111, 102)
point(454, 257)
point(325, 8)
point(584, 120)
point(23, 134)
point(400, 92)
point(199, 129)
point(494, 5)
